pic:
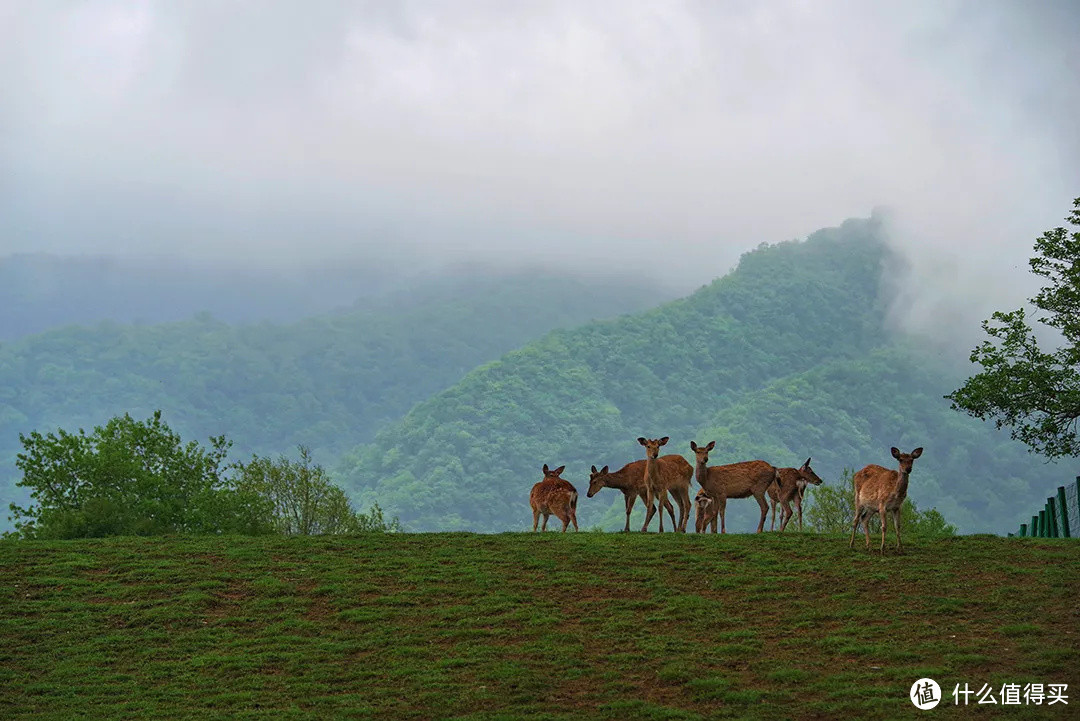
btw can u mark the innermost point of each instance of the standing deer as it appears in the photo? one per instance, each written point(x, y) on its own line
point(630, 479)
point(658, 484)
point(554, 495)
point(735, 480)
point(705, 512)
point(880, 489)
point(791, 486)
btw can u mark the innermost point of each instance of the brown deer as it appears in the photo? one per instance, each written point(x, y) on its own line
point(791, 486)
point(658, 484)
point(630, 479)
point(881, 489)
point(735, 480)
point(554, 495)
point(705, 512)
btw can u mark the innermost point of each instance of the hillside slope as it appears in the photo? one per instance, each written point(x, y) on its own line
point(786, 357)
point(327, 382)
point(581, 626)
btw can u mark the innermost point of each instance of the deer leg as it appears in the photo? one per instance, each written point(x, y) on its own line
point(661, 504)
point(630, 500)
point(772, 508)
point(764, 512)
point(687, 504)
point(785, 514)
point(896, 527)
point(543, 526)
point(798, 505)
point(671, 510)
point(536, 519)
point(565, 518)
point(721, 508)
point(884, 526)
point(854, 528)
point(650, 509)
point(866, 528)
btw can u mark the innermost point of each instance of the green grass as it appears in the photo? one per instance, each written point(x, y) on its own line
point(605, 626)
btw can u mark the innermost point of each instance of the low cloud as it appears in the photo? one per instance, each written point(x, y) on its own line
point(663, 138)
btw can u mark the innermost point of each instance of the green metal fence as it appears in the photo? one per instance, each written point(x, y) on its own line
point(1059, 518)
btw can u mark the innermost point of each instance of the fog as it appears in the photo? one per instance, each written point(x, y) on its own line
point(662, 138)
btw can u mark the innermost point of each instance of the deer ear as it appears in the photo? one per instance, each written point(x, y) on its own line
point(712, 445)
point(917, 452)
point(693, 446)
point(558, 470)
point(641, 440)
point(807, 464)
point(545, 469)
point(604, 469)
point(896, 453)
point(594, 469)
point(663, 441)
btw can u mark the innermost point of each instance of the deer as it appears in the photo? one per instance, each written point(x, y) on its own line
point(881, 489)
point(630, 479)
point(705, 512)
point(658, 484)
point(554, 495)
point(735, 480)
point(791, 486)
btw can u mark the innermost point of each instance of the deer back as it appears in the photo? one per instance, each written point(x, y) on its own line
point(739, 480)
point(876, 484)
point(675, 471)
point(551, 495)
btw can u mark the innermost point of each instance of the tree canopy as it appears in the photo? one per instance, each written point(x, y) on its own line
point(1035, 392)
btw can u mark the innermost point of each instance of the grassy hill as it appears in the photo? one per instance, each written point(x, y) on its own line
point(327, 382)
point(604, 626)
point(788, 356)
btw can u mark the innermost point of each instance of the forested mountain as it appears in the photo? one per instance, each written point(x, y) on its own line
point(327, 382)
point(39, 292)
point(786, 357)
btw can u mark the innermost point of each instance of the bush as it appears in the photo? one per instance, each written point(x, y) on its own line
point(128, 477)
point(298, 498)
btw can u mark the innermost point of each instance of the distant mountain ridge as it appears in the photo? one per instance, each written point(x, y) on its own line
point(327, 381)
point(788, 356)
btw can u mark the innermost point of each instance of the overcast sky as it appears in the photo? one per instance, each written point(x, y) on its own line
point(663, 137)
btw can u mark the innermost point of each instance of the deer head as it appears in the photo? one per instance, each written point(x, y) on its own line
point(702, 452)
point(551, 475)
point(652, 446)
point(597, 480)
point(807, 475)
point(906, 459)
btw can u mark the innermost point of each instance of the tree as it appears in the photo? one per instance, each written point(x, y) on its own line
point(300, 499)
point(1035, 393)
point(128, 477)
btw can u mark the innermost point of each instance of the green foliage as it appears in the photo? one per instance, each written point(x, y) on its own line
point(326, 382)
point(832, 510)
point(786, 357)
point(1035, 393)
point(299, 499)
point(128, 477)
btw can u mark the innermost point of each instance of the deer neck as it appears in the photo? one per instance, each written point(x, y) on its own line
point(902, 483)
point(619, 479)
point(701, 473)
point(652, 470)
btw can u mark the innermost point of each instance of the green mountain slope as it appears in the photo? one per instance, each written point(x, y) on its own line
point(327, 382)
point(784, 358)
